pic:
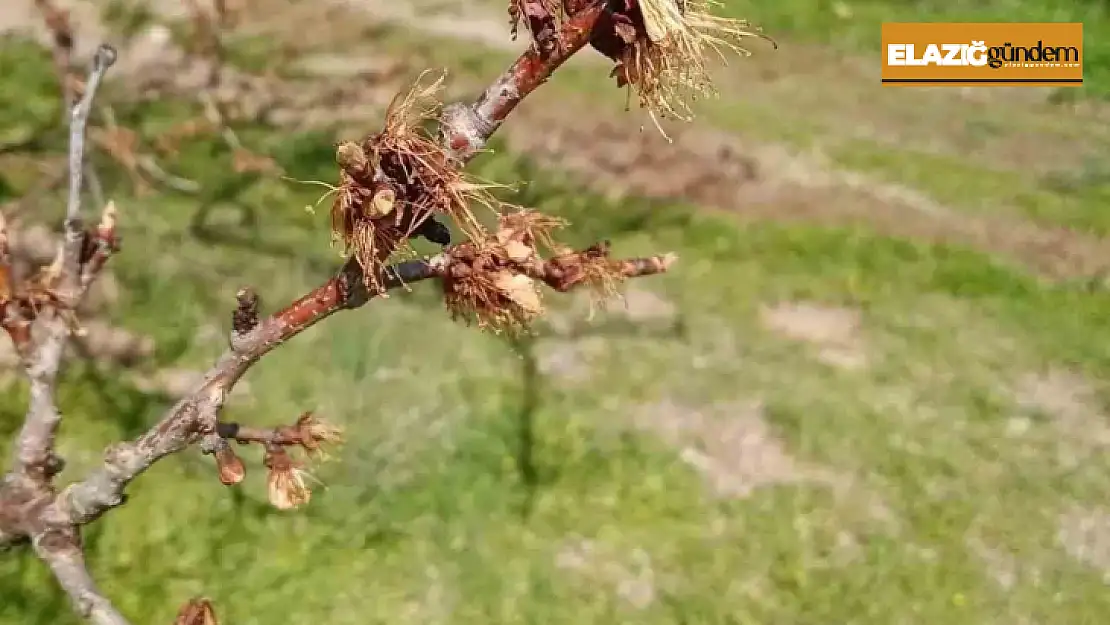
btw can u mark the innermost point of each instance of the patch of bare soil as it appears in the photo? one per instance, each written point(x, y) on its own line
point(631, 577)
point(736, 451)
point(1002, 567)
point(569, 360)
point(614, 155)
point(834, 331)
point(1084, 533)
point(1069, 401)
point(20, 16)
point(733, 447)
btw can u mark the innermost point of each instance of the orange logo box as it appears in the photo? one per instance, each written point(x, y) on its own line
point(981, 55)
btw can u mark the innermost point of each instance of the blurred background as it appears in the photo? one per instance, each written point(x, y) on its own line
point(873, 391)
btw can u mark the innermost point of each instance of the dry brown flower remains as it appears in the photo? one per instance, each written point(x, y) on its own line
point(395, 179)
point(662, 49)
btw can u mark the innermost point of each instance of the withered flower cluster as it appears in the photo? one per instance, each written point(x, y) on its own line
point(661, 50)
point(287, 479)
point(394, 181)
point(24, 298)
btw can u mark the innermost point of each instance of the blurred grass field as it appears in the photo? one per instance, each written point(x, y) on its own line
point(806, 422)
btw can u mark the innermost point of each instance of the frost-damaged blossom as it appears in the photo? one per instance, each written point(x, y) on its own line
point(196, 612)
point(285, 484)
point(22, 301)
point(394, 181)
point(661, 49)
point(316, 434)
point(494, 281)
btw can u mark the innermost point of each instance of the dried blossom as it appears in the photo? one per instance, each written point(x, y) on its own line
point(196, 611)
point(661, 49)
point(285, 484)
point(395, 180)
point(315, 435)
point(486, 280)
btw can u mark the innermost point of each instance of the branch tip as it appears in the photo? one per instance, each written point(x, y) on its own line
point(105, 57)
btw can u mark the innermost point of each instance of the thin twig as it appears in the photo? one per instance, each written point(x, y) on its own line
point(34, 455)
point(78, 122)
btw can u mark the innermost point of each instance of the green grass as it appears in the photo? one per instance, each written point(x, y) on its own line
point(470, 481)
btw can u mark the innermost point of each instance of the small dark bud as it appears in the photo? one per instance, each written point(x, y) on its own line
point(245, 317)
point(434, 231)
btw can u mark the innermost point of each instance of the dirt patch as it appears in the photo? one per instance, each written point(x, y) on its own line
point(1084, 533)
point(736, 451)
point(834, 331)
point(631, 577)
point(1002, 567)
point(1069, 401)
point(639, 305)
point(732, 446)
point(635, 305)
point(20, 16)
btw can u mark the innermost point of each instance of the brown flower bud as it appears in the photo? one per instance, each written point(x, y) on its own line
point(197, 612)
point(230, 467)
point(315, 434)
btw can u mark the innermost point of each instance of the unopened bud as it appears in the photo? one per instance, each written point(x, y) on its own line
point(245, 317)
point(230, 467)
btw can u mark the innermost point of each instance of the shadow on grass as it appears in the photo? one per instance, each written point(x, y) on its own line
point(532, 387)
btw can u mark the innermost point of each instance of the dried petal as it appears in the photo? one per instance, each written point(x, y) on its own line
point(518, 252)
point(382, 203)
point(285, 484)
point(315, 434)
point(197, 611)
point(287, 489)
point(521, 290)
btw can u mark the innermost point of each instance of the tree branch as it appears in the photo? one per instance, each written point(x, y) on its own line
point(63, 554)
point(196, 414)
point(490, 273)
point(34, 457)
point(466, 128)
